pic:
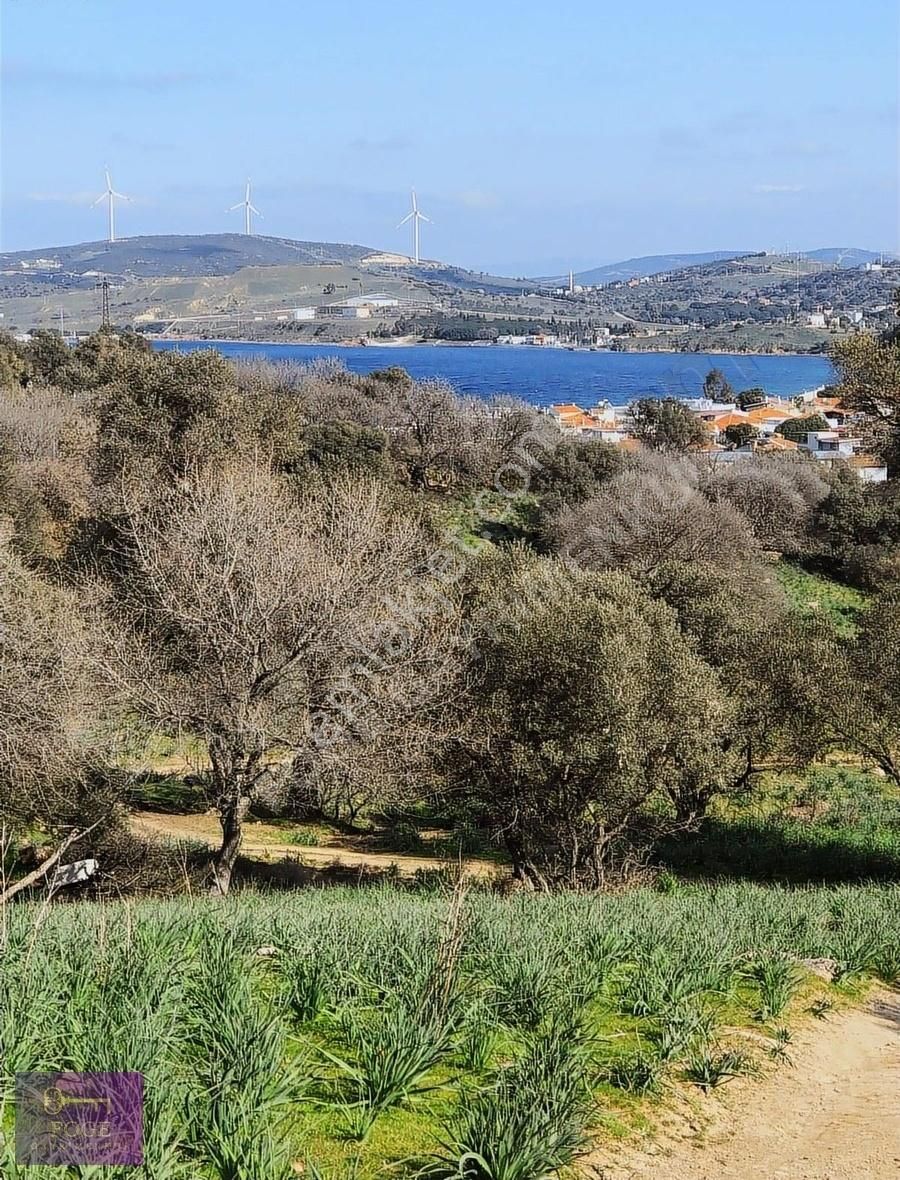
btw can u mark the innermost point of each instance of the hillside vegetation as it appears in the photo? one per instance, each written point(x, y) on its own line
point(583, 694)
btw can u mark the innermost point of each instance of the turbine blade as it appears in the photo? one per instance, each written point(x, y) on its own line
point(422, 217)
point(102, 197)
point(253, 209)
point(408, 217)
point(239, 205)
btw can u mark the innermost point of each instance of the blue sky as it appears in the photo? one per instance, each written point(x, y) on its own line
point(538, 135)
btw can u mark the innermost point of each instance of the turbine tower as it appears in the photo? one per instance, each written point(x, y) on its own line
point(415, 217)
point(111, 196)
point(249, 209)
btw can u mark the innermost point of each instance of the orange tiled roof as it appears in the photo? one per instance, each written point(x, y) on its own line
point(767, 413)
point(733, 418)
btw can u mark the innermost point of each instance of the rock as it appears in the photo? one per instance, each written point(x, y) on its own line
point(823, 968)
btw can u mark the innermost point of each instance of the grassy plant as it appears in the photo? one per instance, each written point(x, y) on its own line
point(821, 1008)
point(856, 951)
point(392, 1058)
point(638, 1072)
point(681, 1029)
point(303, 838)
point(597, 960)
point(710, 1067)
point(306, 979)
point(526, 984)
point(528, 1124)
point(886, 964)
point(401, 985)
point(245, 1081)
point(478, 1036)
point(777, 980)
point(779, 1049)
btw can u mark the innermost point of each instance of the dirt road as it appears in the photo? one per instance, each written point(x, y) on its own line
point(261, 842)
point(834, 1116)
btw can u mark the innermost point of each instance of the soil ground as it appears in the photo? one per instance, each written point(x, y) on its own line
point(834, 1115)
point(265, 842)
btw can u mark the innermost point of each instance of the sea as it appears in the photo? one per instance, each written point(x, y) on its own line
point(545, 376)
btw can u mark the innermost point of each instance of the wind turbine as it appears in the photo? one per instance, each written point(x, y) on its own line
point(111, 196)
point(249, 209)
point(415, 217)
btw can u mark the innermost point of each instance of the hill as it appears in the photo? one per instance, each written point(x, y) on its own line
point(240, 285)
point(652, 264)
point(844, 257)
point(221, 278)
point(164, 255)
point(767, 296)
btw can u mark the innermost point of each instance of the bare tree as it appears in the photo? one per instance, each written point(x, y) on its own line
point(48, 704)
point(642, 518)
point(267, 624)
point(44, 424)
point(776, 496)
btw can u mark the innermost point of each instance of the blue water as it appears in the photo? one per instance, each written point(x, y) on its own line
point(543, 376)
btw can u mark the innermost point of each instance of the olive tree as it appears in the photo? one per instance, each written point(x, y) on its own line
point(853, 693)
point(667, 425)
point(271, 625)
point(588, 709)
point(869, 370)
point(738, 621)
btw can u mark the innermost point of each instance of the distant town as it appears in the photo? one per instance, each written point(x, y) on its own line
point(816, 425)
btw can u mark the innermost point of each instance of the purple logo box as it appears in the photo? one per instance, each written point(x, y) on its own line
point(79, 1118)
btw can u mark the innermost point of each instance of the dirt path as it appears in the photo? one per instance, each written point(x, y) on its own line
point(834, 1116)
point(261, 843)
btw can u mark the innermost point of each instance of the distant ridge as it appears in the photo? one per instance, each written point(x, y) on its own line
point(162, 255)
point(846, 256)
point(652, 264)
point(842, 257)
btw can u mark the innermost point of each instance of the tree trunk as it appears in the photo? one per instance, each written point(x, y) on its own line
point(232, 817)
point(234, 771)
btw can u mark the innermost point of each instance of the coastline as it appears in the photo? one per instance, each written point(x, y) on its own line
point(478, 344)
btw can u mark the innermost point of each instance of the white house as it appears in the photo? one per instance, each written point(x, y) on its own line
point(828, 446)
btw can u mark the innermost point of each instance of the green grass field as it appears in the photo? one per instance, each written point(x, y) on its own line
point(816, 597)
point(370, 1032)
